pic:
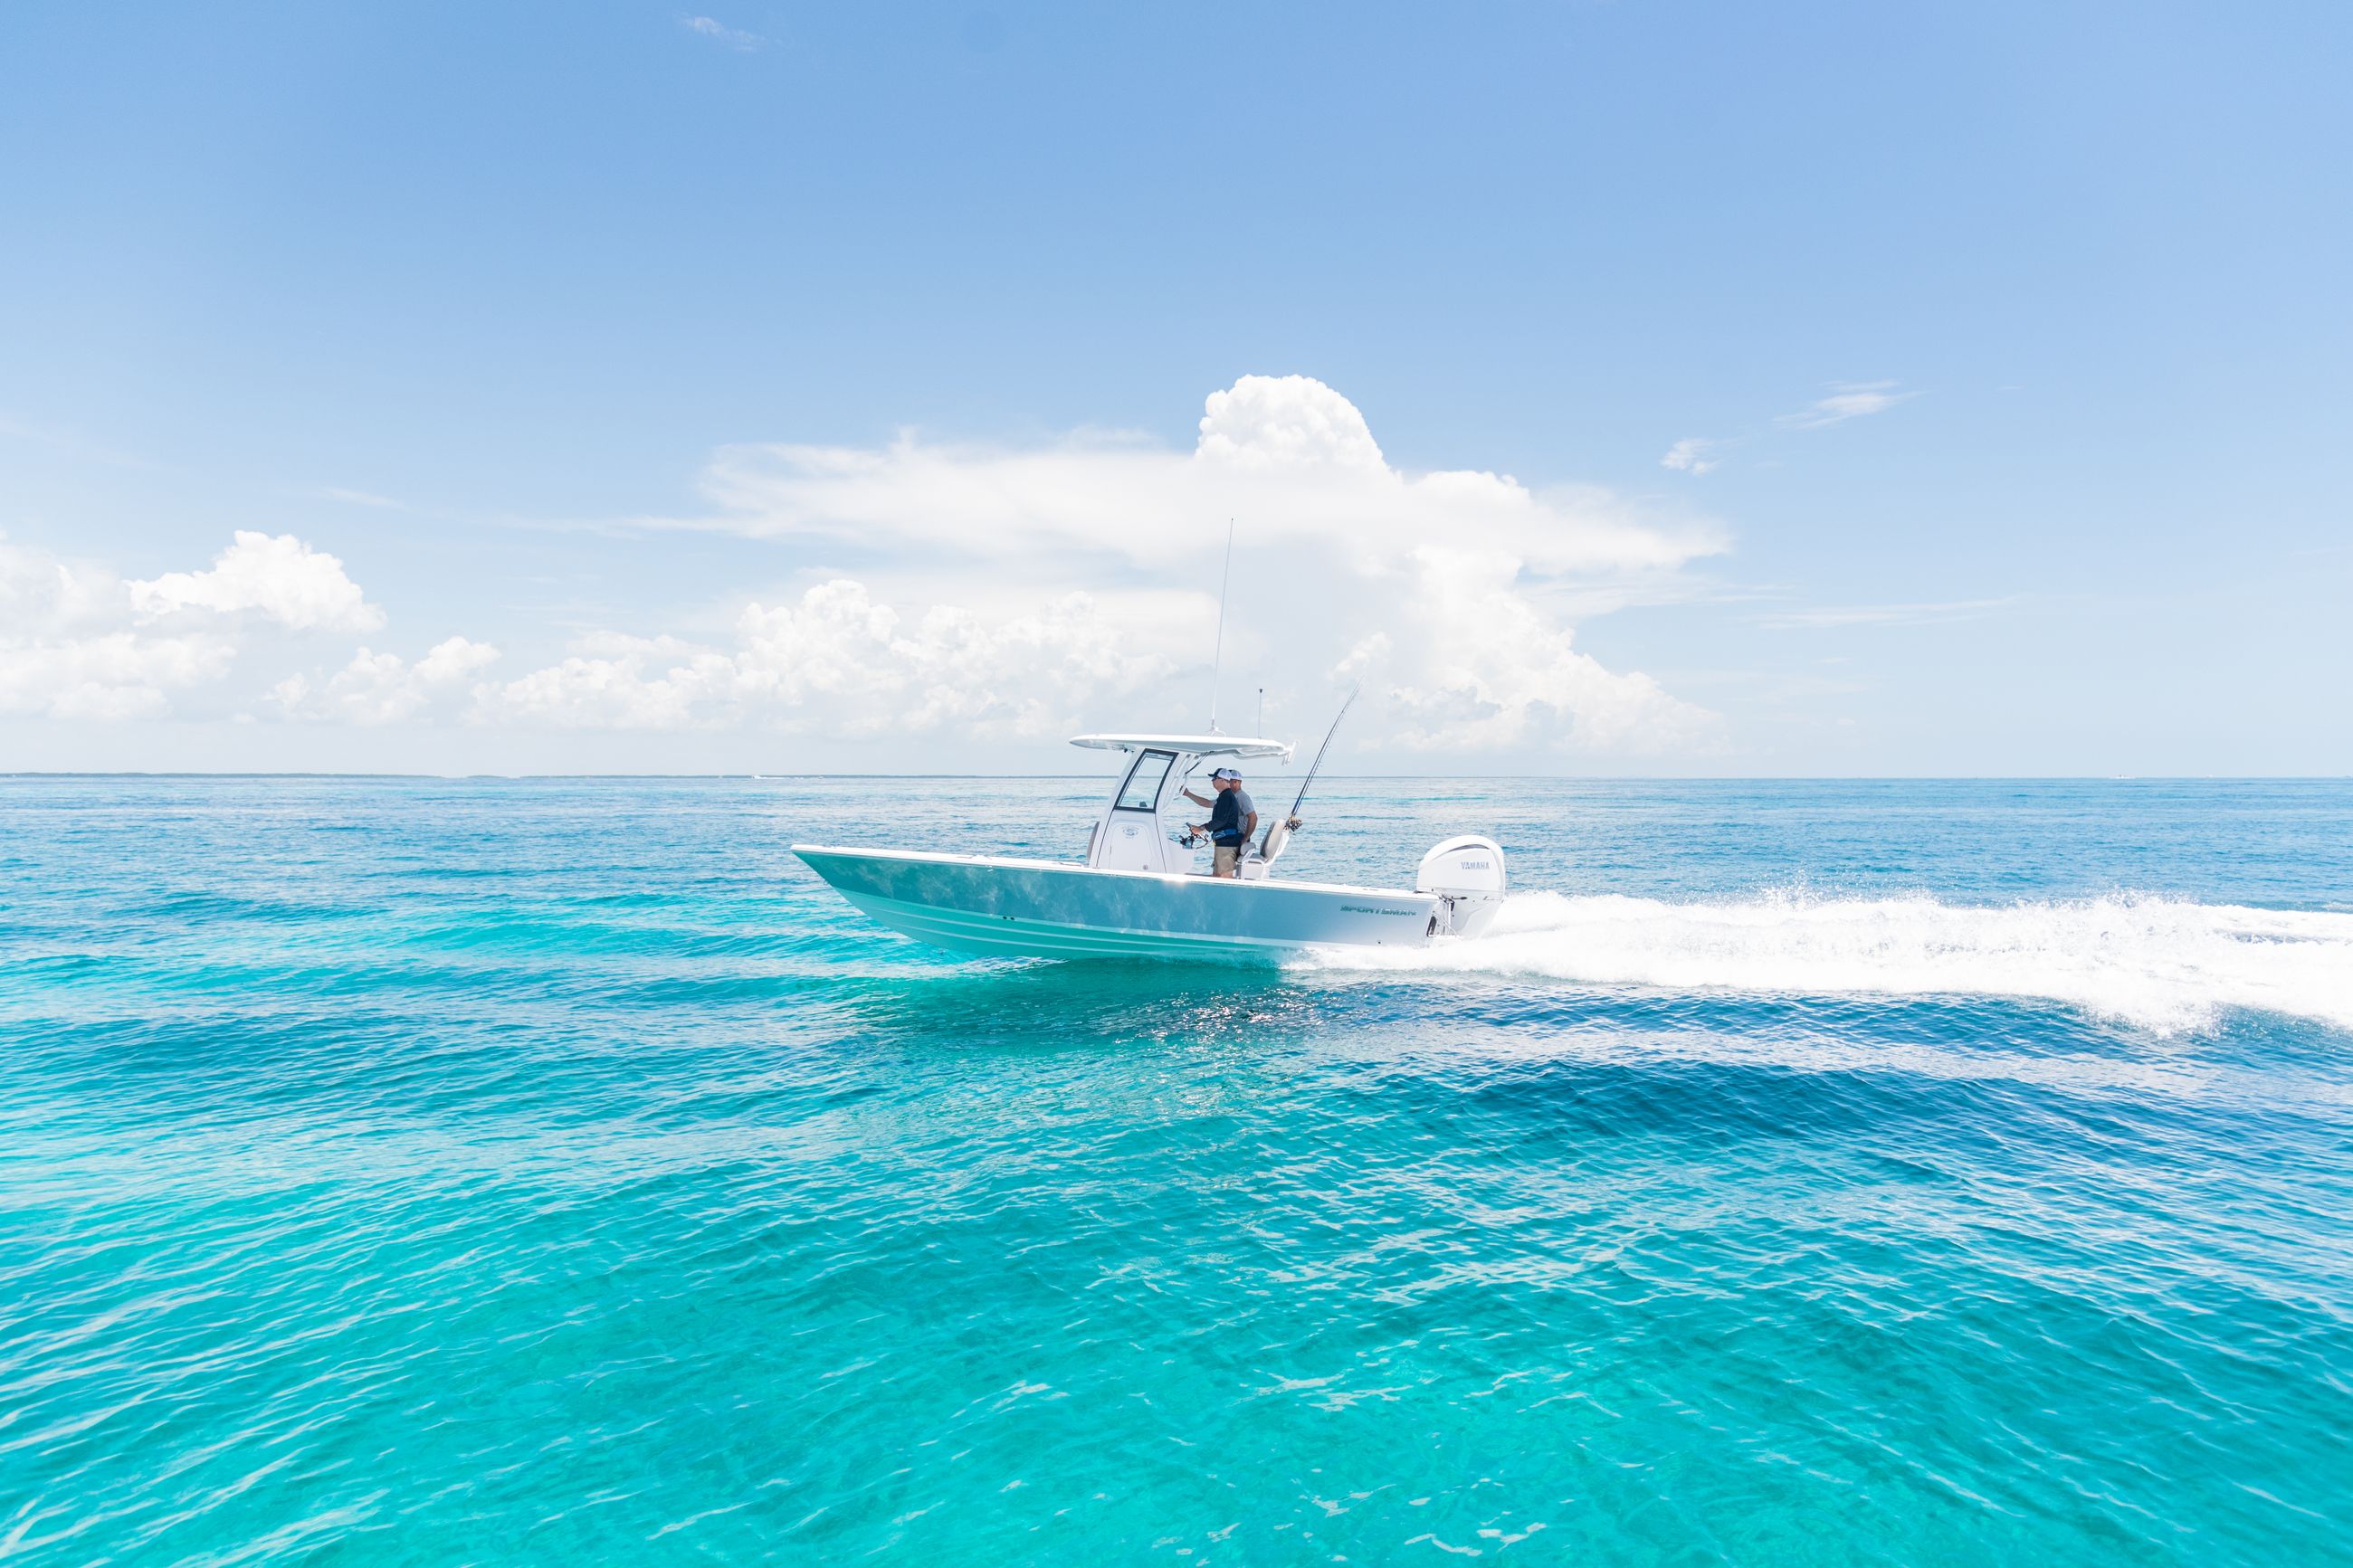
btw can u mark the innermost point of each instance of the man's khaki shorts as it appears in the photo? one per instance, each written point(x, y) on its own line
point(1223, 859)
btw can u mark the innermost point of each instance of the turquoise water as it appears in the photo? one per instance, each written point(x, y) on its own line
point(424, 1172)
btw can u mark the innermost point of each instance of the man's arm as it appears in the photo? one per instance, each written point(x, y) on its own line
point(1196, 799)
point(1250, 827)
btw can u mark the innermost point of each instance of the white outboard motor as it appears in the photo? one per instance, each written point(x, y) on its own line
point(1467, 875)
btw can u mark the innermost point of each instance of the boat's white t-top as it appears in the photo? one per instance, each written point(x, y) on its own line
point(1149, 806)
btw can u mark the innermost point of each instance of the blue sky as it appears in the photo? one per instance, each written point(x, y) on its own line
point(785, 388)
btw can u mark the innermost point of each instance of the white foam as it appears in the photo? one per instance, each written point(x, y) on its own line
point(2163, 964)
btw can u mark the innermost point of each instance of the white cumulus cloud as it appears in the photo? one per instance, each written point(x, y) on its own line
point(69, 649)
point(115, 675)
point(383, 688)
point(1286, 457)
point(1447, 591)
point(279, 577)
point(1267, 422)
point(1490, 672)
point(959, 590)
point(77, 641)
point(839, 659)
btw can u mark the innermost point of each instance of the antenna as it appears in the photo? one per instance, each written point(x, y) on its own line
point(1218, 660)
point(1260, 728)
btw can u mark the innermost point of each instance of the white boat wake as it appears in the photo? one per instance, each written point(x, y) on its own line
point(2166, 964)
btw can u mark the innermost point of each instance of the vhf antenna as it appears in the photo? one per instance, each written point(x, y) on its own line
point(1218, 659)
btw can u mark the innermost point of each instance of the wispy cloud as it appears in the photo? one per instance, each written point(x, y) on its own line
point(1914, 614)
point(1848, 400)
point(720, 33)
point(1693, 455)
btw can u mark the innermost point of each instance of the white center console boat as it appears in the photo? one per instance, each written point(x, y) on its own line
point(1137, 894)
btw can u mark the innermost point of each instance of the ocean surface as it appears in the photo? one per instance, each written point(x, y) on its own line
point(441, 1172)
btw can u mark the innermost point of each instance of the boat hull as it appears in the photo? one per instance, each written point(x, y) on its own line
point(1040, 909)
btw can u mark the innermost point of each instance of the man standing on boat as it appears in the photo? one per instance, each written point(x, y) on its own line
point(1233, 817)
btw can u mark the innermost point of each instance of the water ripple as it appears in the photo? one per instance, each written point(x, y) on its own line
point(469, 1171)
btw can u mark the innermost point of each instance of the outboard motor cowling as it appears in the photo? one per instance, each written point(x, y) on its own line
point(1467, 875)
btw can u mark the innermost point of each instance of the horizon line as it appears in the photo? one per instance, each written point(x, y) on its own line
point(34, 775)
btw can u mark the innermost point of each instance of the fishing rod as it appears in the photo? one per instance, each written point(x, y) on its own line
point(1278, 833)
point(1315, 766)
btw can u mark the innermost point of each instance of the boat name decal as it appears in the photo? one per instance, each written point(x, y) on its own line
point(1370, 909)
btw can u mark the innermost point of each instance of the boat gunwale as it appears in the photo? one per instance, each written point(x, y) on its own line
point(1174, 879)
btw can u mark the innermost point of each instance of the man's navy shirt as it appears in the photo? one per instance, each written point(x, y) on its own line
point(1227, 815)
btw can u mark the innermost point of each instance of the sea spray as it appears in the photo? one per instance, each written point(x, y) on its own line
point(2162, 964)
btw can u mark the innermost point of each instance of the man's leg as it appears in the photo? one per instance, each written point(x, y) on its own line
point(1223, 859)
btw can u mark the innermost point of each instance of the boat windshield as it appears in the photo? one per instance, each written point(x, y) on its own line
point(1142, 791)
